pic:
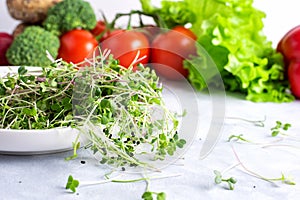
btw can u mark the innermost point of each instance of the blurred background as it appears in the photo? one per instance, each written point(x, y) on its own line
point(282, 15)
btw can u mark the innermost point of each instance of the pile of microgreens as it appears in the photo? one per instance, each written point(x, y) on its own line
point(119, 110)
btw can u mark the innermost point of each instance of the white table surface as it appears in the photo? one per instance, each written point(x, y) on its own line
point(44, 176)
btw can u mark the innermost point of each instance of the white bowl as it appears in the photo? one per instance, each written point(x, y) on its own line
point(27, 142)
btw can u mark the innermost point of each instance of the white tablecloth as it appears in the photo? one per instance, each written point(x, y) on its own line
point(45, 176)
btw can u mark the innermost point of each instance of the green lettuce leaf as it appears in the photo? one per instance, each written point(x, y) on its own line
point(231, 31)
point(170, 13)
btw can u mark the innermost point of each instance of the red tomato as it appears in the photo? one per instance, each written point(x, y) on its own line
point(109, 33)
point(185, 31)
point(150, 31)
point(294, 78)
point(170, 49)
point(99, 29)
point(5, 42)
point(289, 45)
point(125, 45)
point(76, 45)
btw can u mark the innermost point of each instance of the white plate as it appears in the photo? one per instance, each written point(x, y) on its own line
point(28, 142)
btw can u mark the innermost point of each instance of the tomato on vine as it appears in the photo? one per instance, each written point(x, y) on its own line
point(99, 29)
point(76, 45)
point(170, 49)
point(289, 46)
point(125, 45)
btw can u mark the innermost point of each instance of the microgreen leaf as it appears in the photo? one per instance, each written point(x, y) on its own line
point(22, 70)
point(275, 133)
point(237, 138)
point(161, 196)
point(147, 196)
point(72, 184)
point(280, 128)
point(219, 179)
point(286, 126)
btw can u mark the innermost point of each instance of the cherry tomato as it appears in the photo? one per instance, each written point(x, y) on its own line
point(185, 31)
point(125, 45)
point(99, 29)
point(294, 78)
point(76, 45)
point(110, 33)
point(5, 42)
point(289, 45)
point(150, 31)
point(170, 49)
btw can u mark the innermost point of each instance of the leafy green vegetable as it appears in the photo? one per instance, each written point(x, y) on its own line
point(231, 32)
point(70, 14)
point(170, 14)
point(29, 48)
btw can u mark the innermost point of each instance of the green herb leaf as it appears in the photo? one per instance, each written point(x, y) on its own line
point(22, 70)
point(147, 196)
point(161, 196)
point(72, 184)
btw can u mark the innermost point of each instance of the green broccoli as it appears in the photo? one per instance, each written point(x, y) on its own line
point(29, 48)
point(70, 14)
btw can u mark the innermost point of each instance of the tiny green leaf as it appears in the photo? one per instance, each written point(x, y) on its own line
point(22, 70)
point(275, 133)
point(181, 143)
point(72, 184)
point(218, 179)
point(286, 126)
point(2, 90)
point(147, 196)
point(30, 112)
point(161, 196)
point(105, 103)
point(53, 83)
point(232, 180)
point(104, 120)
point(231, 185)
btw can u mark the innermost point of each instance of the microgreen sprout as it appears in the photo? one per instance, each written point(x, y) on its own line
point(280, 128)
point(259, 123)
point(244, 139)
point(238, 138)
point(286, 180)
point(219, 179)
point(72, 184)
point(148, 195)
point(76, 146)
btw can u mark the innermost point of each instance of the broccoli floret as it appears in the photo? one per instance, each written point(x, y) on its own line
point(70, 14)
point(29, 48)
